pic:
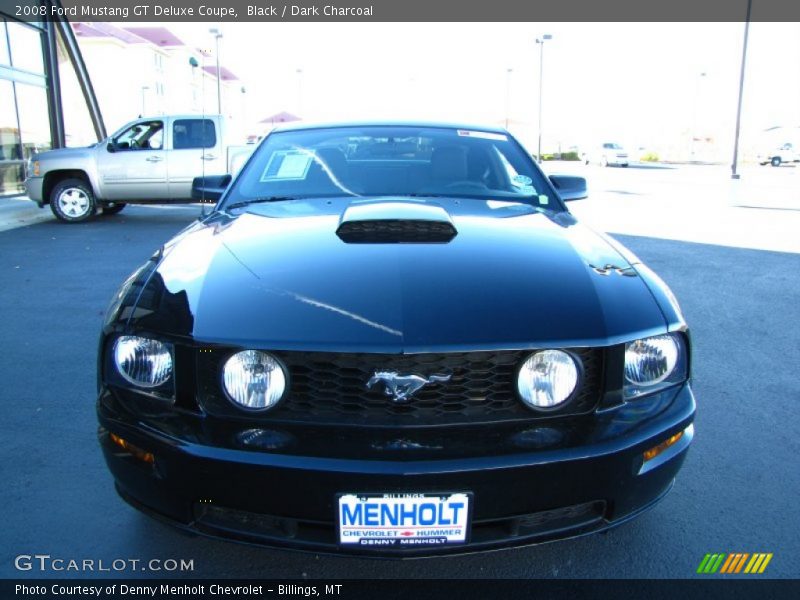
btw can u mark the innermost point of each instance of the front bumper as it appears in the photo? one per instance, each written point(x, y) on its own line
point(33, 188)
point(529, 484)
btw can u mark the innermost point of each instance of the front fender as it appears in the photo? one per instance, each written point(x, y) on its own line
point(67, 162)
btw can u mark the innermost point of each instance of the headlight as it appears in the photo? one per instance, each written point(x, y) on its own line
point(547, 379)
point(654, 363)
point(651, 360)
point(143, 362)
point(254, 380)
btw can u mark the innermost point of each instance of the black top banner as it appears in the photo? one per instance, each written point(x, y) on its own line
point(403, 10)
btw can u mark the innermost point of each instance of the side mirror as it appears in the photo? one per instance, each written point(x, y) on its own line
point(570, 187)
point(111, 147)
point(210, 188)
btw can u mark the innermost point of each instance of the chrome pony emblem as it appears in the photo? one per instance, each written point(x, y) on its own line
point(402, 387)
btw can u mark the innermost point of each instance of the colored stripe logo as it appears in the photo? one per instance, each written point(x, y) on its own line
point(737, 562)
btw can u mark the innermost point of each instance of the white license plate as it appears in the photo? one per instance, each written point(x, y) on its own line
point(403, 520)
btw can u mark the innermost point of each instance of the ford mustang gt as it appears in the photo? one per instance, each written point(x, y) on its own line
point(393, 339)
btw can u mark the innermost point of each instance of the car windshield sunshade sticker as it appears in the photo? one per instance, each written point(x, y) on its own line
point(287, 165)
point(484, 135)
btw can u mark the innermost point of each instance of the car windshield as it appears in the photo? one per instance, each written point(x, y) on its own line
point(391, 161)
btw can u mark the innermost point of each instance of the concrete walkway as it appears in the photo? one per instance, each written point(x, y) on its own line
point(19, 211)
point(693, 204)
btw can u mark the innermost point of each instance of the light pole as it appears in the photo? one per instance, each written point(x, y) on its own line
point(193, 63)
point(217, 35)
point(244, 105)
point(299, 92)
point(144, 89)
point(693, 133)
point(541, 42)
point(734, 164)
point(508, 92)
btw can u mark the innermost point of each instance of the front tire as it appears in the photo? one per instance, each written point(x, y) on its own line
point(776, 161)
point(113, 208)
point(72, 201)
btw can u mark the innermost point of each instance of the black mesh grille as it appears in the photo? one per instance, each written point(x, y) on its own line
point(331, 388)
point(396, 231)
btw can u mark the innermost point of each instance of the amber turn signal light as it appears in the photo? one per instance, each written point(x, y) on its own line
point(656, 450)
point(135, 451)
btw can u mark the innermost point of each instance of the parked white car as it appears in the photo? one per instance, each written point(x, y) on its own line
point(784, 153)
point(607, 154)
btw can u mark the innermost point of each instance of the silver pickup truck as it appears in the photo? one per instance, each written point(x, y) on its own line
point(149, 161)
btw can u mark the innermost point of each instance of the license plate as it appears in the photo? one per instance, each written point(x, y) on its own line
point(403, 520)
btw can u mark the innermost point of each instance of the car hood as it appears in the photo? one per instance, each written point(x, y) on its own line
point(516, 278)
point(70, 153)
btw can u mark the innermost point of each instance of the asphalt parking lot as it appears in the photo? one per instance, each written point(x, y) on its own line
point(737, 491)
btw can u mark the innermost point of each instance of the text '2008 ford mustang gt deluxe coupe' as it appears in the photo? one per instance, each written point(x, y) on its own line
point(393, 339)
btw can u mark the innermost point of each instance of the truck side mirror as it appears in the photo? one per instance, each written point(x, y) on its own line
point(210, 188)
point(570, 187)
point(111, 146)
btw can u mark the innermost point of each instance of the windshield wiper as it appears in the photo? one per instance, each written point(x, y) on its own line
point(244, 203)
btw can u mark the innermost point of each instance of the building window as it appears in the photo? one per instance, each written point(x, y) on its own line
point(24, 114)
point(34, 119)
point(5, 57)
point(11, 165)
point(26, 48)
point(78, 127)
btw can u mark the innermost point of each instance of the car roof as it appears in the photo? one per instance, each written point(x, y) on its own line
point(295, 126)
point(173, 116)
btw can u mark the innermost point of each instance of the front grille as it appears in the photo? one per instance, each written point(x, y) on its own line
point(330, 388)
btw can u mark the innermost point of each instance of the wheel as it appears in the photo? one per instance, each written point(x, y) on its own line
point(72, 201)
point(113, 208)
point(776, 161)
point(625, 165)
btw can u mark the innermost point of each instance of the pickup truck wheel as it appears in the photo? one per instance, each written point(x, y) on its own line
point(113, 208)
point(776, 161)
point(72, 201)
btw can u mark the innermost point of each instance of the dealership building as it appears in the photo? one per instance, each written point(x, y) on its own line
point(39, 62)
point(48, 100)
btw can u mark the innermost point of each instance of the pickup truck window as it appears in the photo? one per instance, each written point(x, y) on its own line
point(142, 136)
point(193, 133)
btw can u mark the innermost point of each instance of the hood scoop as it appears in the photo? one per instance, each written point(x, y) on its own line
point(395, 223)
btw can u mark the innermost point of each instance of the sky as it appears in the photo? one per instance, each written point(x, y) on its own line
point(635, 82)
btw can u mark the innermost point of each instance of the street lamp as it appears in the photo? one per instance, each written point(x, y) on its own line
point(244, 104)
point(734, 164)
point(144, 89)
point(299, 91)
point(193, 63)
point(693, 132)
point(217, 35)
point(541, 42)
point(508, 92)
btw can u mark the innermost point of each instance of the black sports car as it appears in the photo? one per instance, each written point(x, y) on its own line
point(393, 339)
